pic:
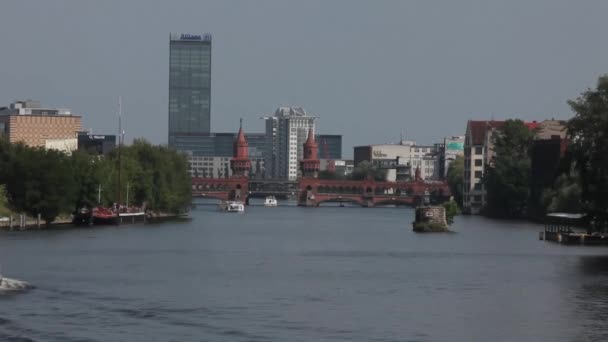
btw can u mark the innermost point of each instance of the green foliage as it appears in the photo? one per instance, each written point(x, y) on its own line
point(451, 210)
point(455, 179)
point(156, 175)
point(588, 130)
point(507, 175)
point(325, 174)
point(49, 182)
point(366, 170)
point(3, 202)
point(565, 195)
point(38, 181)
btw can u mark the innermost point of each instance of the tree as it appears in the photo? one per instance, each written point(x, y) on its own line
point(588, 130)
point(326, 174)
point(455, 178)
point(451, 210)
point(366, 170)
point(155, 175)
point(3, 201)
point(38, 181)
point(565, 195)
point(508, 173)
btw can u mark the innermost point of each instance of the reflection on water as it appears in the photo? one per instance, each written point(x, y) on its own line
point(592, 298)
point(303, 274)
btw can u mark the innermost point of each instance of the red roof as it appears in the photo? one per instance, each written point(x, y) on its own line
point(478, 129)
point(532, 125)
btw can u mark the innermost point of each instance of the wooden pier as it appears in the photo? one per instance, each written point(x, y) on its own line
point(569, 229)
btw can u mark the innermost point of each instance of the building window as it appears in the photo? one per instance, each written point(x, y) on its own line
point(478, 162)
point(478, 150)
point(477, 186)
point(477, 198)
point(478, 174)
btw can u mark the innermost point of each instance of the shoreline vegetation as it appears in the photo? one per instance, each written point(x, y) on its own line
point(580, 183)
point(47, 186)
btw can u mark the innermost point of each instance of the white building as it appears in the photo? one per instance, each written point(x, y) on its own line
point(401, 160)
point(219, 167)
point(286, 133)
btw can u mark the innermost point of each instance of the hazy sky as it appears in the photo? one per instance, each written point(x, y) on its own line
point(369, 69)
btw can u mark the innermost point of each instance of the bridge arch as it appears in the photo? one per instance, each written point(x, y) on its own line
point(340, 199)
point(409, 201)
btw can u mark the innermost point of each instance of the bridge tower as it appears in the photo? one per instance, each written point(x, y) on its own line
point(310, 164)
point(240, 163)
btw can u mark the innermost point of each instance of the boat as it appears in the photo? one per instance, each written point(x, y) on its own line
point(8, 284)
point(82, 216)
point(270, 201)
point(234, 207)
point(103, 215)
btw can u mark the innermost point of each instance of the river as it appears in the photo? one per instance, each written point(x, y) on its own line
point(302, 274)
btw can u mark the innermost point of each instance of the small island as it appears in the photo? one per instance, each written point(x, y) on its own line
point(430, 219)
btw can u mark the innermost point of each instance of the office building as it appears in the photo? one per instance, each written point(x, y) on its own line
point(189, 90)
point(96, 144)
point(30, 123)
point(286, 133)
point(401, 160)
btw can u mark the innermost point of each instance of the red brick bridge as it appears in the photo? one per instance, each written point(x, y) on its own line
point(369, 193)
point(312, 191)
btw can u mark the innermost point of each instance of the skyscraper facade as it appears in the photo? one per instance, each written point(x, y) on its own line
point(286, 133)
point(189, 89)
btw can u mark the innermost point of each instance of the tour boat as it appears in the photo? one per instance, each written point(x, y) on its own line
point(234, 207)
point(270, 201)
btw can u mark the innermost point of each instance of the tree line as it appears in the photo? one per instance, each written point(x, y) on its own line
point(581, 181)
point(49, 183)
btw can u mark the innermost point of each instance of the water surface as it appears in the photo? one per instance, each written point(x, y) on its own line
point(302, 274)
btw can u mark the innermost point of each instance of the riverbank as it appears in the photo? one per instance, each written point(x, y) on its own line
point(23, 223)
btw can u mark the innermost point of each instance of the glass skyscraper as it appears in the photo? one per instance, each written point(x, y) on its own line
point(189, 89)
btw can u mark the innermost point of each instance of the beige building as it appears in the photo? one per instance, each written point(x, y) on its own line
point(28, 122)
point(479, 153)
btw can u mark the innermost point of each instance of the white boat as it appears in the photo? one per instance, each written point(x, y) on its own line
point(234, 207)
point(270, 201)
point(8, 284)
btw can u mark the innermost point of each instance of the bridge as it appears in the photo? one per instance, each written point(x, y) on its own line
point(277, 188)
point(369, 193)
point(311, 191)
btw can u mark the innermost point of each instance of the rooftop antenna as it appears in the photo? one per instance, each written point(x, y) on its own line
point(241, 123)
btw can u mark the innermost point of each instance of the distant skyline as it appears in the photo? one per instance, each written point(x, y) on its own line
point(370, 70)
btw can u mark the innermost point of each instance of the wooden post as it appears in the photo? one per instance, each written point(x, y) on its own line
point(38, 221)
point(10, 222)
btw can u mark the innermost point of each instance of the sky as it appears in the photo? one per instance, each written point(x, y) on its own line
point(371, 70)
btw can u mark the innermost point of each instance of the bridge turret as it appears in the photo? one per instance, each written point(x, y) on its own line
point(310, 164)
point(240, 163)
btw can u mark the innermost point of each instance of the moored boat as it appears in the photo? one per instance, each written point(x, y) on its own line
point(270, 201)
point(103, 215)
point(234, 207)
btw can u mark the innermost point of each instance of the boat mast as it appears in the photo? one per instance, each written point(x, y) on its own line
point(119, 145)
